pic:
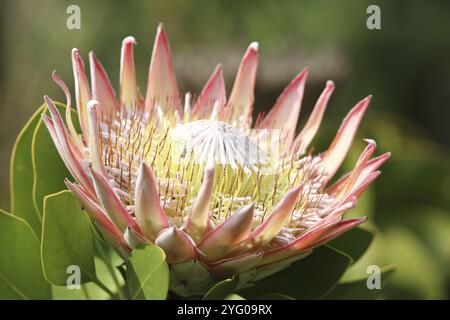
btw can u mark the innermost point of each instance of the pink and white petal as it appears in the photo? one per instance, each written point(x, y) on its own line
point(122, 248)
point(128, 87)
point(102, 90)
point(346, 189)
point(266, 231)
point(76, 168)
point(65, 140)
point(214, 90)
point(134, 238)
point(336, 211)
point(371, 166)
point(359, 188)
point(229, 235)
point(228, 267)
point(199, 219)
point(303, 243)
point(308, 132)
point(346, 205)
point(148, 210)
point(94, 137)
point(162, 85)
point(51, 129)
point(112, 204)
point(73, 133)
point(333, 157)
point(95, 212)
point(177, 245)
point(242, 95)
point(68, 151)
point(187, 110)
point(66, 158)
point(361, 163)
point(339, 229)
point(82, 91)
point(285, 113)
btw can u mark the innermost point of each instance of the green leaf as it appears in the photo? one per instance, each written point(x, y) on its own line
point(21, 175)
point(66, 239)
point(222, 289)
point(358, 290)
point(148, 274)
point(64, 293)
point(355, 242)
point(91, 290)
point(309, 278)
point(420, 275)
point(48, 168)
point(276, 296)
point(21, 274)
point(234, 297)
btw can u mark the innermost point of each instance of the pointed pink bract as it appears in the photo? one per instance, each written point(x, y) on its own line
point(102, 90)
point(148, 210)
point(128, 87)
point(285, 113)
point(242, 95)
point(308, 132)
point(82, 90)
point(162, 88)
point(213, 91)
point(334, 156)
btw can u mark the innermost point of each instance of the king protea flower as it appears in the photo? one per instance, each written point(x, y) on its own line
point(221, 195)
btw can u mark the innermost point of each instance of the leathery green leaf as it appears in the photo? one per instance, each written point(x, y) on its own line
point(354, 242)
point(21, 274)
point(67, 244)
point(222, 289)
point(21, 175)
point(359, 289)
point(309, 278)
point(148, 274)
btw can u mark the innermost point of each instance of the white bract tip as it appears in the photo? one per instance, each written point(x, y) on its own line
point(129, 39)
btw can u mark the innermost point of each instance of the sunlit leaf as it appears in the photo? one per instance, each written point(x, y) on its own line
point(21, 175)
point(148, 274)
point(234, 297)
point(358, 289)
point(66, 239)
point(222, 289)
point(21, 274)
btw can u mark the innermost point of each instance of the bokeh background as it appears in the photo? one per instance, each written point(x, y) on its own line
point(405, 66)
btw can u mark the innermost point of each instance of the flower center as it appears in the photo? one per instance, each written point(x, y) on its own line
point(247, 167)
point(214, 142)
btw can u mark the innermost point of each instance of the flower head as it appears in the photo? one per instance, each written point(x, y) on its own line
point(221, 195)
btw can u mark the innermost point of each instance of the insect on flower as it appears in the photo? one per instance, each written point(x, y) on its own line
point(221, 195)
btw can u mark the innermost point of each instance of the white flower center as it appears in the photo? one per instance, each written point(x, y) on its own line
point(214, 142)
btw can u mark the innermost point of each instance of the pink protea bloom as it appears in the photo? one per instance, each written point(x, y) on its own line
point(220, 195)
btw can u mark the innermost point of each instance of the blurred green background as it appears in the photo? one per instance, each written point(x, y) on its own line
point(405, 65)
